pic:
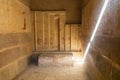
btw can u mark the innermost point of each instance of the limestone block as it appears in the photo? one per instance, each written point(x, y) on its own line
point(10, 71)
point(115, 74)
point(25, 38)
point(15, 17)
point(54, 59)
point(104, 66)
point(8, 56)
point(7, 40)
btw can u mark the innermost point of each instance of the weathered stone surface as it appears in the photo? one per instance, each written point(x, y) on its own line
point(76, 72)
point(7, 40)
point(47, 59)
point(15, 38)
point(13, 69)
point(11, 55)
point(26, 2)
point(8, 56)
point(109, 48)
point(92, 69)
point(25, 49)
point(25, 38)
point(104, 67)
point(105, 47)
point(15, 17)
point(94, 56)
point(115, 74)
point(73, 8)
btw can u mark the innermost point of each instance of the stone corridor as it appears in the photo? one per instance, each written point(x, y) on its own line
point(56, 35)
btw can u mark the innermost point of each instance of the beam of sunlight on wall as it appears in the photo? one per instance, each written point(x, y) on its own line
point(95, 30)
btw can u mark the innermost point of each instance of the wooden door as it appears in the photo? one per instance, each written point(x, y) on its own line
point(51, 33)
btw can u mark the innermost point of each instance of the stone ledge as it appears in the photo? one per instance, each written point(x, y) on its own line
point(55, 59)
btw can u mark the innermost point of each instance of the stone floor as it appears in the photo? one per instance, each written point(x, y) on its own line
point(75, 72)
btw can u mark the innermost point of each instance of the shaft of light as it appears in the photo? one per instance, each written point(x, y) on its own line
point(95, 30)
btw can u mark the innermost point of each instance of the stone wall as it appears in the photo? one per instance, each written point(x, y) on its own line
point(15, 38)
point(84, 3)
point(26, 2)
point(104, 53)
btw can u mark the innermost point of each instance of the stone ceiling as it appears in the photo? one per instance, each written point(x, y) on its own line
point(73, 8)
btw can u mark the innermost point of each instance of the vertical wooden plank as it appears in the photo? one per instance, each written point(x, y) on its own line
point(49, 28)
point(33, 29)
point(62, 32)
point(46, 31)
point(79, 38)
point(52, 25)
point(56, 33)
point(39, 30)
point(74, 37)
point(67, 37)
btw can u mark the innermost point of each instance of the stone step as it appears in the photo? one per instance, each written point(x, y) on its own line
point(55, 59)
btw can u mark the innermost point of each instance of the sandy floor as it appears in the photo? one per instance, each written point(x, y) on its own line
point(76, 72)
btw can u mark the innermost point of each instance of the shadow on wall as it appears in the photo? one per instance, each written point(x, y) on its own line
point(104, 53)
point(72, 7)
